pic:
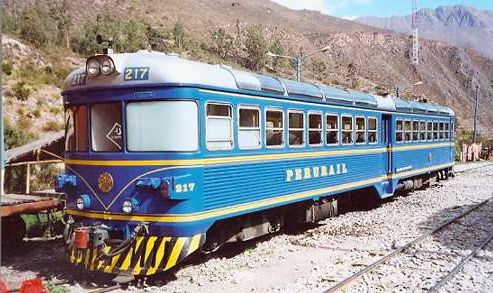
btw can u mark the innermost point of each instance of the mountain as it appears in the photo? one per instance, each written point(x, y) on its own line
point(360, 57)
point(458, 25)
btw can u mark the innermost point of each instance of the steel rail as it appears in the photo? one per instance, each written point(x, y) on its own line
point(460, 265)
point(107, 289)
point(344, 283)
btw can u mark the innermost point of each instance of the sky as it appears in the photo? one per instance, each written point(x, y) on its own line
point(352, 9)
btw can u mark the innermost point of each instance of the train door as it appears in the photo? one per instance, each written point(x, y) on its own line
point(387, 140)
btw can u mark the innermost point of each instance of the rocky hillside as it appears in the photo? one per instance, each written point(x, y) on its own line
point(221, 31)
point(458, 25)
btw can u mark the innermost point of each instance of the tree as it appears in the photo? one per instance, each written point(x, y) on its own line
point(179, 35)
point(277, 48)
point(256, 48)
point(31, 27)
point(59, 12)
point(319, 69)
point(351, 76)
point(222, 42)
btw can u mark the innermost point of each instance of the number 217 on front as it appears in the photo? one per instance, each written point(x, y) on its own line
point(136, 73)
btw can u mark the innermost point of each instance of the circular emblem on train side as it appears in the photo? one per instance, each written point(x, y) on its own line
point(105, 182)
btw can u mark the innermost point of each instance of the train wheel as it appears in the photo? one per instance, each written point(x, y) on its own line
point(13, 231)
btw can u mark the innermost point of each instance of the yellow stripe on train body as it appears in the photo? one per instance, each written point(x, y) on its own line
point(252, 158)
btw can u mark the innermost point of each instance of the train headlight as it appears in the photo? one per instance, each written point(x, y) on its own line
point(93, 67)
point(107, 66)
point(83, 202)
point(130, 205)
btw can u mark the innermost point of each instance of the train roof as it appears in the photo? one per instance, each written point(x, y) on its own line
point(170, 69)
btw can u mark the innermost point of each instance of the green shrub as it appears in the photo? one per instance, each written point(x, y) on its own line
point(16, 135)
point(7, 68)
point(21, 91)
point(56, 110)
point(53, 126)
point(37, 113)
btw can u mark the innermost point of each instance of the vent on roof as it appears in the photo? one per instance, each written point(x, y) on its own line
point(302, 89)
point(364, 99)
point(403, 105)
point(270, 84)
point(336, 95)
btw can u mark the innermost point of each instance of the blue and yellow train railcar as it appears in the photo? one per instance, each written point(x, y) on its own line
point(165, 156)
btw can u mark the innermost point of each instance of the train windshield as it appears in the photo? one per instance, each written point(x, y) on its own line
point(106, 127)
point(162, 126)
point(76, 129)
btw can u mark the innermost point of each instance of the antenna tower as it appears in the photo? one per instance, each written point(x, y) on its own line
point(415, 79)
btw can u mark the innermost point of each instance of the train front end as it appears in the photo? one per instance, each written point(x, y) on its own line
point(132, 160)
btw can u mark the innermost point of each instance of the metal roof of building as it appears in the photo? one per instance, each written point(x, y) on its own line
point(170, 69)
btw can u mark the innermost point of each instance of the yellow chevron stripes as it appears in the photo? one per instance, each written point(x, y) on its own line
point(148, 255)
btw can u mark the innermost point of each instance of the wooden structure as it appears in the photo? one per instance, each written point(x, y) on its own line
point(47, 150)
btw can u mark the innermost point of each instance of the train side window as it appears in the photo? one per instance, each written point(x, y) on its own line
point(452, 130)
point(372, 130)
point(360, 130)
point(76, 136)
point(435, 130)
point(441, 129)
point(422, 130)
point(399, 131)
point(347, 130)
point(249, 128)
point(415, 130)
point(219, 132)
point(407, 131)
point(430, 131)
point(296, 128)
point(274, 128)
point(332, 130)
point(315, 129)
point(447, 131)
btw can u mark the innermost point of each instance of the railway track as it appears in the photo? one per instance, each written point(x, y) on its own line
point(353, 279)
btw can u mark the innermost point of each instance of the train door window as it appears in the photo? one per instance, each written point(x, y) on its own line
point(106, 127)
point(407, 131)
point(347, 130)
point(435, 130)
point(249, 128)
point(332, 129)
point(274, 128)
point(447, 131)
point(422, 130)
point(441, 128)
point(429, 133)
point(372, 130)
point(399, 131)
point(315, 129)
point(162, 126)
point(415, 130)
point(76, 136)
point(360, 130)
point(296, 128)
point(219, 128)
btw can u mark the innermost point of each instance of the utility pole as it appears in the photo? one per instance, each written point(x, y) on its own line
point(298, 59)
point(475, 114)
